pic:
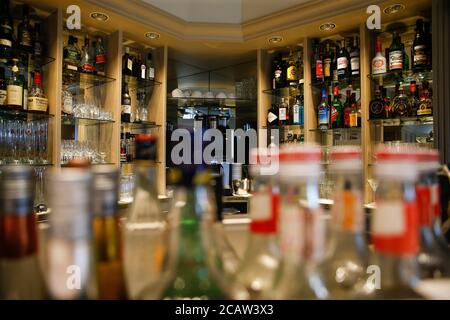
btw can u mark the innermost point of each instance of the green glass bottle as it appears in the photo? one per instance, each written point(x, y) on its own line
point(336, 110)
point(193, 278)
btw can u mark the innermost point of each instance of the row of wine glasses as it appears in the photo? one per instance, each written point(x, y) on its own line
point(23, 142)
point(71, 149)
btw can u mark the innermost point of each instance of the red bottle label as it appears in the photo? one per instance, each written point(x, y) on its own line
point(395, 228)
point(319, 69)
point(87, 67)
point(264, 212)
point(424, 205)
point(100, 58)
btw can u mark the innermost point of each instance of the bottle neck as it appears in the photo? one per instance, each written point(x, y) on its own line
point(146, 177)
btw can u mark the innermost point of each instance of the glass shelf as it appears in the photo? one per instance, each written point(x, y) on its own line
point(76, 79)
point(71, 120)
point(34, 60)
point(11, 114)
point(135, 83)
point(213, 102)
point(342, 84)
point(286, 126)
point(38, 163)
point(65, 165)
point(356, 129)
point(391, 79)
point(141, 125)
point(406, 121)
point(278, 91)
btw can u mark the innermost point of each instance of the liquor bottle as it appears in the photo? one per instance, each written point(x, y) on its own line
point(107, 235)
point(123, 151)
point(343, 62)
point(302, 111)
point(291, 72)
point(354, 58)
point(6, 31)
point(376, 107)
point(71, 54)
point(126, 104)
point(327, 64)
point(150, 67)
point(24, 31)
point(283, 116)
point(142, 68)
point(345, 270)
point(323, 111)
point(396, 53)
point(387, 103)
point(3, 92)
point(353, 117)
point(296, 114)
point(301, 229)
point(37, 100)
point(318, 62)
point(100, 57)
point(379, 61)
point(278, 75)
point(432, 257)
point(193, 262)
point(272, 116)
point(425, 102)
point(400, 104)
point(127, 63)
point(406, 62)
point(20, 273)
point(38, 46)
point(334, 65)
point(428, 39)
point(14, 88)
point(24, 79)
point(419, 50)
point(347, 110)
point(255, 275)
point(87, 60)
point(68, 248)
point(413, 100)
point(336, 110)
point(136, 66)
point(394, 225)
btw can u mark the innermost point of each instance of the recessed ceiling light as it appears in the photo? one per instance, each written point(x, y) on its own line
point(99, 16)
point(394, 8)
point(275, 39)
point(327, 26)
point(152, 35)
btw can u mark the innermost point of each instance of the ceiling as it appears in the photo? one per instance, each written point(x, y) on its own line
point(215, 44)
point(222, 11)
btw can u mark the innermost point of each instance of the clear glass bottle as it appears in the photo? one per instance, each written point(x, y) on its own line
point(256, 274)
point(345, 269)
point(87, 60)
point(107, 235)
point(67, 100)
point(20, 276)
point(37, 100)
point(395, 225)
point(301, 226)
point(68, 249)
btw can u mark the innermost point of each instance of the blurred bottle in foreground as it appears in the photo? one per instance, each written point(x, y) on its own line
point(433, 258)
point(145, 225)
point(20, 273)
point(70, 271)
point(345, 269)
point(191, 275)
point(256, 274)
point(107, 235)
point(395, 225)
point(302, 226)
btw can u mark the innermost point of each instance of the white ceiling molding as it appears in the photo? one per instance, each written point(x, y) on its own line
point(160, 20)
